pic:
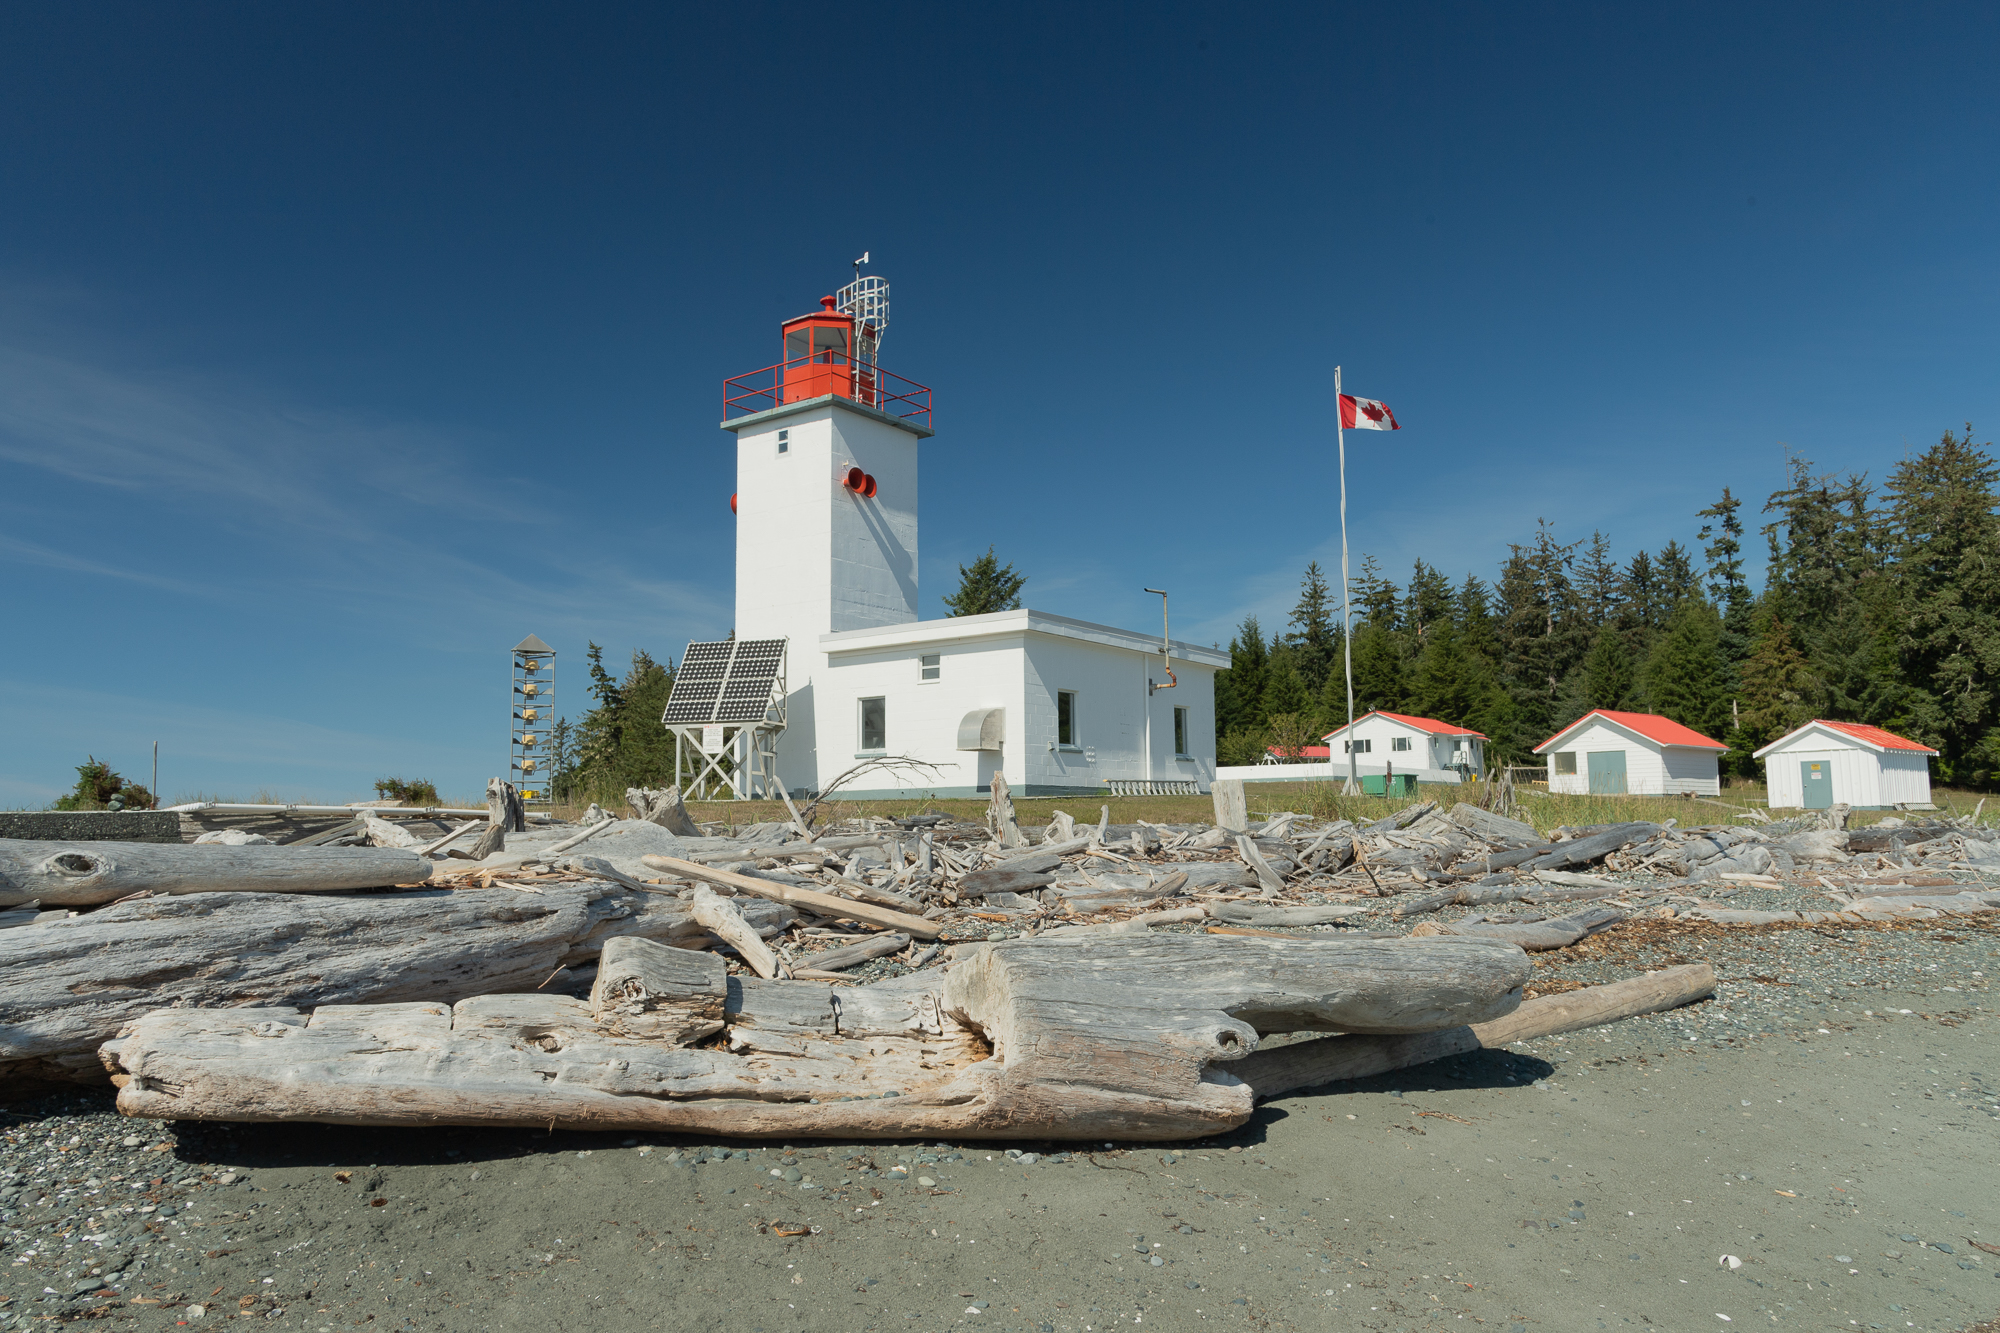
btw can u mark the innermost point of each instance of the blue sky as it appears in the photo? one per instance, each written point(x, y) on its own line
point(342, 346)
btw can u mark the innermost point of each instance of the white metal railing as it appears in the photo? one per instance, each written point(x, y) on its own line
point(1153, 786)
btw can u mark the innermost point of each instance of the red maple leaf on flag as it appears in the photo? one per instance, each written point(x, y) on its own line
point(1372, 411)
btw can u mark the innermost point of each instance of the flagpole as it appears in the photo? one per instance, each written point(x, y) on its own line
point(1346, 598)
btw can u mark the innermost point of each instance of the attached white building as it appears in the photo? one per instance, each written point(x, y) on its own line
point(1638, 754)
point(1827, 763)
point(826, 559)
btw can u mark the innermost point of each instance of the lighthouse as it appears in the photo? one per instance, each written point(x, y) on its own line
point(826, 509)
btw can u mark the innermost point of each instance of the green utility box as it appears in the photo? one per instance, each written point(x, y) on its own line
point(1389, 784)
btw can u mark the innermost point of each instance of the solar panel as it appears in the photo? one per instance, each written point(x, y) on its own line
point(726, 681)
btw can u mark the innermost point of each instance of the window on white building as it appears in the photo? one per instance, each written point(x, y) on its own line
point(874, 724)
point(1399, 742)
point(1065, 717)
point(1358, 747)
point(1566, 762)
point(784, 441)
point(930, 664)
point(1180, 731)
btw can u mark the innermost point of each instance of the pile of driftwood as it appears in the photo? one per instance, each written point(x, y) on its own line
point(1016, 983)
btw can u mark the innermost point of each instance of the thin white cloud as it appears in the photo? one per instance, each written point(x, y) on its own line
point(36, 554)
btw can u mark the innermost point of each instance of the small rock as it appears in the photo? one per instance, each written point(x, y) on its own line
point(792, 1175)
point(1730, 1262)
point(195, 1311)
point(133, 1141)
point(926, 1182)
point(1156, 1261)
point(1028, 1159)
point(226, 1178)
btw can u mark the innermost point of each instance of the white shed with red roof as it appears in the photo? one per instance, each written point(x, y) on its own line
point(1606, 753)
point(1398, 743)
point(1826, 763)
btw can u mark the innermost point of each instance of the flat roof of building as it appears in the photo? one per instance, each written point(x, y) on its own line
point(998, 624)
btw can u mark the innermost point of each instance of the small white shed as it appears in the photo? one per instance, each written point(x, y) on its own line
point(1396, 742)
point(1604, 753)
point(1827, 763)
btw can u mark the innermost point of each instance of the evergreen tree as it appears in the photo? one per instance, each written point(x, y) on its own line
point(645, 747)
point(1239, 687)
point(1722, 544)
point(1380, 670)
point(1947, 571)
point(1677, 578)
point(1779, 694)
point(1542, 636)
point(1608, 674)
point(1684, 676)
point(1375, 597)
point(562, 760)
point(986, 585)
point(1314, 633)
point(1639, 596)
point(1427, 602)
point(1286, 690)
point(1598, 583)
point(601, 734)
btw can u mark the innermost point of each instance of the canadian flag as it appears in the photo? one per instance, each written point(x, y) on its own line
point(1366, 414)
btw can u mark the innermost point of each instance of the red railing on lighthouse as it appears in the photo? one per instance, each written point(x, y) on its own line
point(822, 374)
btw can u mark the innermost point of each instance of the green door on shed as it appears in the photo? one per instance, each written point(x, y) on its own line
point(1816, 778)
point(1607, 772)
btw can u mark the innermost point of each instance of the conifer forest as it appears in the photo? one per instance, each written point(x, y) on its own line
point(1878, 605)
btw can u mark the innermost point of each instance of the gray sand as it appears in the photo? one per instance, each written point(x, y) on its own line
point(1595, 1181)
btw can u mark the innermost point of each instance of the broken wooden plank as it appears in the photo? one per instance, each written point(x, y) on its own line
point(84, 874)
point(825, 904)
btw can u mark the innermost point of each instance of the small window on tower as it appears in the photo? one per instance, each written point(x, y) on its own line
point(1065, 717)
point(874, 724)
point(784, 441)
point(930, 664)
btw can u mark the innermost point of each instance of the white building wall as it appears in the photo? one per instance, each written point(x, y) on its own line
point(921, 716)
point(1645, 770)
point(1861, 776)
point(812, 556)
point(1650, 769)
point(1696, 771)
point(1906, 778)
point(998, 661)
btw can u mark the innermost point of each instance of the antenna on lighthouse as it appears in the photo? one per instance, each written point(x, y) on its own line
point(867, 300)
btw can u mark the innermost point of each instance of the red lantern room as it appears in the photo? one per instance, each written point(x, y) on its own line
point(821, 356)
point(831, 353)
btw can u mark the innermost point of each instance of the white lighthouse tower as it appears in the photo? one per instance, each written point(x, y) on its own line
point(826, 497)
point(831, 665)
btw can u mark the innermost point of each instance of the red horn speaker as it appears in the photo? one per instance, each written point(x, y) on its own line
point(855, 480)
point(868, 485)
point(732, 504)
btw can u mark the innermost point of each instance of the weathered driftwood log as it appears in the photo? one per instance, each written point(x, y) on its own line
point(652, 990)
point(826, 904)
point(1534, 936)
point(1087, 1036)
point(1000, 814)
point(66, 986)
point(663, 806)
point(1577, 851)
point(834, 961)
point(724, 920)
point(1245, 914)
point(1309, 1064)
point(1004, 879)
point(84, 874)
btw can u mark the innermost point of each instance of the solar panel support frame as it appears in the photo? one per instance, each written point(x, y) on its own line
point(746, 766)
